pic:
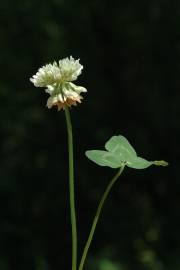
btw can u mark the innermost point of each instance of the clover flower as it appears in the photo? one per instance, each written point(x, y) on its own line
point(57, 78)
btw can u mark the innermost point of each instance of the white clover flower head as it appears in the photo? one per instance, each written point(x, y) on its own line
point(57, 78)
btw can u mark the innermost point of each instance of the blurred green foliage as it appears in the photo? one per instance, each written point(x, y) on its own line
point(131, 54)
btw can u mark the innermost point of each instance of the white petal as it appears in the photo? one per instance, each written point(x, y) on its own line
point(60, 98)
point(77, 89)
point(49, 89)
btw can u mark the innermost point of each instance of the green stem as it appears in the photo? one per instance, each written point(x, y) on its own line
point(71, 189)
point(98, 212)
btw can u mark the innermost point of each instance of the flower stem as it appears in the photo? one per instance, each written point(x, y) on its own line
point(71, 189)
point(98, 212)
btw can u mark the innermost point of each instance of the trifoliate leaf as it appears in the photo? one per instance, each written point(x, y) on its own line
point(120, 153)
point(104, 158)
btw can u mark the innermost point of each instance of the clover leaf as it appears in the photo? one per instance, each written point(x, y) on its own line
point(120, 153)
point(105, 158)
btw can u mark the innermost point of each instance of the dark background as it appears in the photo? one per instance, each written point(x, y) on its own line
point(131, 54)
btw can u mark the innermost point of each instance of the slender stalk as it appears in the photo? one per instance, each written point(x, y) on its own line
point(71, 189)
point(98, 212)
